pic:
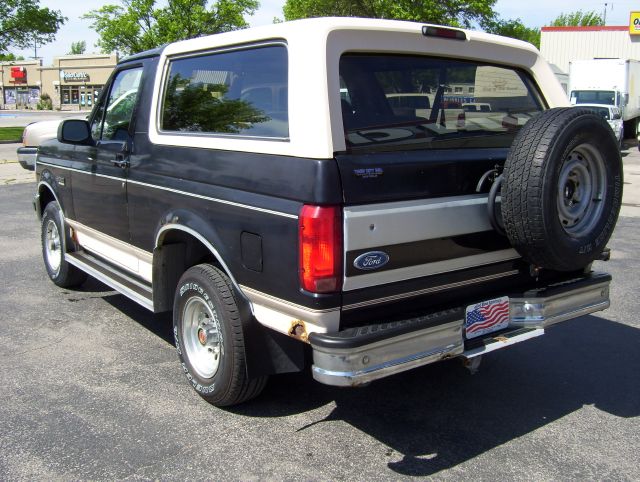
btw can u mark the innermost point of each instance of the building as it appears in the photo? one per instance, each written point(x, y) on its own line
point(73, 81)
point(561, 45)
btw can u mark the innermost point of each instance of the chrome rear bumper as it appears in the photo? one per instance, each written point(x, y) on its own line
point(27, 157)
point(360, 355)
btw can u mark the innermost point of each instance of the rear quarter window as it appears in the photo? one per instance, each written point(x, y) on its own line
point(240, 92)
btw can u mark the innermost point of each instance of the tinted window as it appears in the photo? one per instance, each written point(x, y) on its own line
point(120, 104)
point(240, 92)
point(420, 102)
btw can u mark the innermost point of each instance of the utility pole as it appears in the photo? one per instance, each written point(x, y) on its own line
point(35, 47)
point(604, 19)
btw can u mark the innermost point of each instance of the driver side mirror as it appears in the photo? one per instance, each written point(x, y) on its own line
point(75, 131)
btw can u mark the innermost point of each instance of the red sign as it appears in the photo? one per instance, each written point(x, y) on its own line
point(19, 74)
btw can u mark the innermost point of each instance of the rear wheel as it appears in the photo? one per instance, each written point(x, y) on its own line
point(209, 338)
point(55, 242)
point(562, 189)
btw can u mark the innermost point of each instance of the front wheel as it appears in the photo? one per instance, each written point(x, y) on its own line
point(209, 339)
point(55, 241)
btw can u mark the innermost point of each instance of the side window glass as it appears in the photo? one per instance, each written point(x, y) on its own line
point(241, 92)
point(120, 104)
point(96, 124)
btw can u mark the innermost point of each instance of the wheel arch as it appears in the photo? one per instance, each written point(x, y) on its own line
point(178, 247)
point(45, 194)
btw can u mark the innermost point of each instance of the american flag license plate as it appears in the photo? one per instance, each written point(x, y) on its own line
point(486, 317)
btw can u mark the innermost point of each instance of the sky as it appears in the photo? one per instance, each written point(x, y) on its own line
point(532, 13)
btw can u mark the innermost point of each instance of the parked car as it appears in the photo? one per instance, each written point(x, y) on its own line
point(336, 229)
point(35, 134)
point(32, 136)
point(611, 114)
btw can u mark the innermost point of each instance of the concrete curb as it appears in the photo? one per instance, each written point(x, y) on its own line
point(11, 142)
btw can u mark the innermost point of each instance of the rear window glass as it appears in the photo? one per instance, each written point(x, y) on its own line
point(405, 102)
point(243, 92)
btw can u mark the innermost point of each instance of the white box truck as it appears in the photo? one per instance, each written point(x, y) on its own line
point(608, 81)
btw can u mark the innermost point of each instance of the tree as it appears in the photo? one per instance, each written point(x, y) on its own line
point(513, 28)
point(447, 12)
point(23, 23)
point(192, 108)
point(578, 19)
point(78, 48)
point(10, 57)
point(137, 25)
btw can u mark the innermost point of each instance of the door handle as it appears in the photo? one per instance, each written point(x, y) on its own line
point(120, 161)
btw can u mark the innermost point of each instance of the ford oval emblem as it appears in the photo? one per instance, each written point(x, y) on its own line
point(371, 260)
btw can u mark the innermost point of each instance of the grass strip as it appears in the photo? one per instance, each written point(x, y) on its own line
point(11, 133)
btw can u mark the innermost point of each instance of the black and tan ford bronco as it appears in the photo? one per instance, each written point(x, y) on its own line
point(320, 193)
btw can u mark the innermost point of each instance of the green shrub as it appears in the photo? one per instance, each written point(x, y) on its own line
point(45, 102)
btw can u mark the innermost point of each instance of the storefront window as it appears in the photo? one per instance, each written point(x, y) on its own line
point(83, 95)
point(9, 96)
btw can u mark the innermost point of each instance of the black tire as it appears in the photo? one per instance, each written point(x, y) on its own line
point(212, 350)
point(56, 241)
point(556, 159)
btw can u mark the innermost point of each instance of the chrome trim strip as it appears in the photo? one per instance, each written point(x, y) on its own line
point(123, 246)
point(203, 240)
point(66, 168)
point(147, 303)
point(374, 278)
point(177, 191)
point(278, 303)
point(425, 291)
point(46, 184)
point(212, 199)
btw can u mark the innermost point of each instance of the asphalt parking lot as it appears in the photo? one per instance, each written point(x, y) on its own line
point(91, 389)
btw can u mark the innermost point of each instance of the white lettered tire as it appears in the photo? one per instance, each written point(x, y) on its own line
point(209, 339)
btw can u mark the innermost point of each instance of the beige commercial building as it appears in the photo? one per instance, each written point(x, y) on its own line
point(561, 45)
point(73, 81)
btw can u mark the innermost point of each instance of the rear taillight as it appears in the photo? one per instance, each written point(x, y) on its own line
point(320, 241)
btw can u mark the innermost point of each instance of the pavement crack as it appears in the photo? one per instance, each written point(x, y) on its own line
point(38, 348)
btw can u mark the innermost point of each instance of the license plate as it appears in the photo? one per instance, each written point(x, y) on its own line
point(486, 317)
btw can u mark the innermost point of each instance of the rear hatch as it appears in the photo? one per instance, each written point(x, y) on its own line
point(425, 139)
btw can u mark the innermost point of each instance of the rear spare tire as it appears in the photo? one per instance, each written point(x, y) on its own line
point(562, 189)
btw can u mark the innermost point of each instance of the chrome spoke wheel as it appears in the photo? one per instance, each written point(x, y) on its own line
point(52, 246)
point(202, 337)
point(581, 190)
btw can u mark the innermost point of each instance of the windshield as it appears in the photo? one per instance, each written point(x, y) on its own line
point(593, 97)
point(416, 102)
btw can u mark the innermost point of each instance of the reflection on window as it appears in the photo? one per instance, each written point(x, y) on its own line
point(122, 100)
point(240, 92)
point(418, 102)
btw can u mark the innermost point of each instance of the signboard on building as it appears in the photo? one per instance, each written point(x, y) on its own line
point(74, 76)
point(18, 75)
point(634, 23)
